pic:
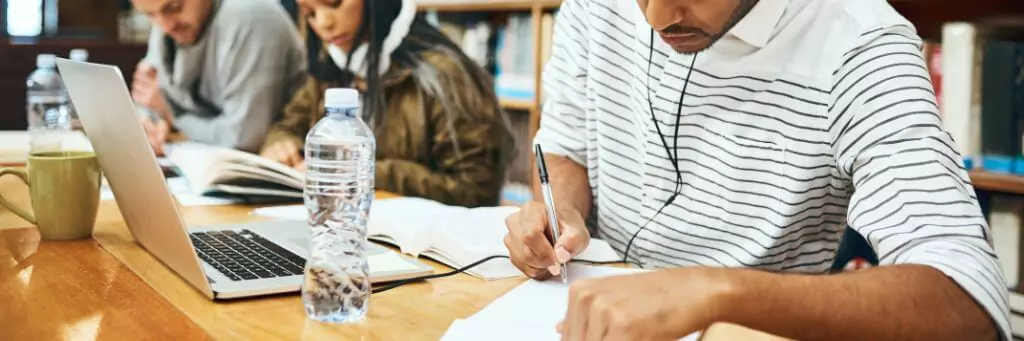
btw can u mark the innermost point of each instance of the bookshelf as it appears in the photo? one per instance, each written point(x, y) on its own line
point(1001, 19)
point(995, 19)
point(998, 183)
point(536, 9)
point(521, 105)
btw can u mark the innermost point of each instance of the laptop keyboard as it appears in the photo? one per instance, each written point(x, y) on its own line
point(244, 255)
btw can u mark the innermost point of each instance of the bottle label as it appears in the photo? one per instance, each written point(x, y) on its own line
point(342, 112)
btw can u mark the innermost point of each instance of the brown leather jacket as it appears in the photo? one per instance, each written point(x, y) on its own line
point(416, 154)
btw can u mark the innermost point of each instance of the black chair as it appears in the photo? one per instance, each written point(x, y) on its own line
point(292, 8)
point(851, 246)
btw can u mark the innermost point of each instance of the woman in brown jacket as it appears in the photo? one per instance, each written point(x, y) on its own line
point(440, 133)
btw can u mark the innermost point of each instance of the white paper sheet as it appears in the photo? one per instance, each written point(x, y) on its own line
point(530, 311)
point(509, 331)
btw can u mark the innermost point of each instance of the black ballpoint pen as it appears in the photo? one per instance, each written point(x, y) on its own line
point(549, 201)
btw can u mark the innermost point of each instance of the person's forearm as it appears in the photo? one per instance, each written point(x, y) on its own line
point(901, 302)
point(570, 185)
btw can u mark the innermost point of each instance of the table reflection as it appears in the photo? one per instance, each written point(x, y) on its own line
point(70, 290)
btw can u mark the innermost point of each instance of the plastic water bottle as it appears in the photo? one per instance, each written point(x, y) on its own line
point(49, 119)
point(78, 55)
point(340, 159)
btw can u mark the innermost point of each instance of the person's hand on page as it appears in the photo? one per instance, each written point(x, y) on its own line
point(286, 152)
point(529, 240)
point(146, 91)
point(657, 305)
point(157, 133)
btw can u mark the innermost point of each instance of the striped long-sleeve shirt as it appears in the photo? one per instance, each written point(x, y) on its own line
point(809, 116)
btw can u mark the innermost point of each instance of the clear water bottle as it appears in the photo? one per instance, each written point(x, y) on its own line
point(78, 55)
point(49, 118)
point(340, 159)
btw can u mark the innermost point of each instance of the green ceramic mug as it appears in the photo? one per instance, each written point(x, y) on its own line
point(65, 191)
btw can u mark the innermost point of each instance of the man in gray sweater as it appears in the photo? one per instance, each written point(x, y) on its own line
point(218, 71)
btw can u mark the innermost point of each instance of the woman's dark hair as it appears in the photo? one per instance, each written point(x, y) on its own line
point(378, 16)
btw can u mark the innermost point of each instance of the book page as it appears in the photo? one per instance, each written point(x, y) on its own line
point(451, 235)
point(455, 236)
point(230, 171)
point(205, 166)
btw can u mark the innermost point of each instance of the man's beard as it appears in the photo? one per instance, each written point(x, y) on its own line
point(744, 8)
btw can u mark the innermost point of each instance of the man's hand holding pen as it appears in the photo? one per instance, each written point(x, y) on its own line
point(529, 240)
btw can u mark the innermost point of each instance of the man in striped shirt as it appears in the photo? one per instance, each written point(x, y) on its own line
point(711, 140)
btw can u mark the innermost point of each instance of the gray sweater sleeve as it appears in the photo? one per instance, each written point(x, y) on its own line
point(259, 58)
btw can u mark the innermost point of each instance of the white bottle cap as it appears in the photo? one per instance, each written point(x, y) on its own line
point(79, 55)
point(46, 61)
point(341, 98)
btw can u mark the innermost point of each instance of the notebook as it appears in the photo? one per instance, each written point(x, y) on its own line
point(223, 172)
point(451, 235)
point(520, 315)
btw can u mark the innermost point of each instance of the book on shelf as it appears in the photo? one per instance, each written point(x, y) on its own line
point(960, 102)
point(516, 59)
point(224, 172)
point(979, 84)
point(1002, 100)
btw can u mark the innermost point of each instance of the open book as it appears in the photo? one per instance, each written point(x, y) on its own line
point(217, 171)
point(451, 235)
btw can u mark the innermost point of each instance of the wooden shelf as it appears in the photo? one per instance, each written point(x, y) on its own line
point(486, 5)
point(516, 104)
point(997, 183)
point(998, 19)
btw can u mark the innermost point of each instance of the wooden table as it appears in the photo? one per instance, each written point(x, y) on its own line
point(75, 290)
point(85, 290)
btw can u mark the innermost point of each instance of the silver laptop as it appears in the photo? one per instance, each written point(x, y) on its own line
point(222, 262)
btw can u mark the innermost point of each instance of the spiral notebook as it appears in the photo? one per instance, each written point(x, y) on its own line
point(451, 235)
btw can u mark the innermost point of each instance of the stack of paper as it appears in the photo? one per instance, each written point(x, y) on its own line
point(530, 311)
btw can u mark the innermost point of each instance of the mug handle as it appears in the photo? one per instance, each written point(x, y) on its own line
point(21, 173)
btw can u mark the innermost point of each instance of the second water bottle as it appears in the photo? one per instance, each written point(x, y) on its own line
point(340, 159)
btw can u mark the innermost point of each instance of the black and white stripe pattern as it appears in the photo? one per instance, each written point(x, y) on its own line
point(832, 123)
